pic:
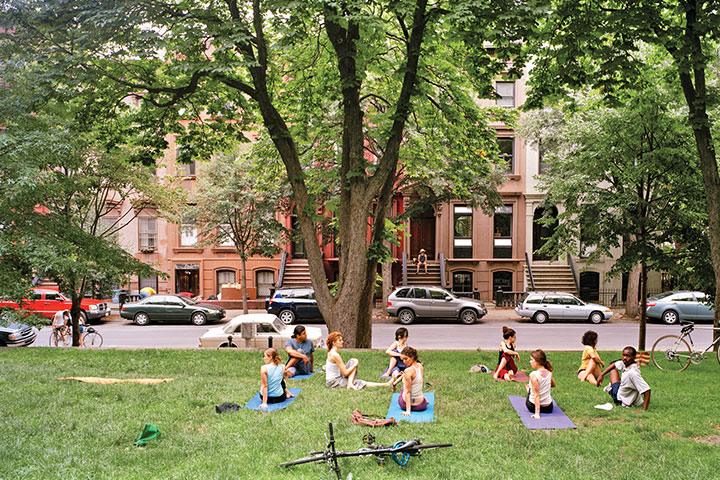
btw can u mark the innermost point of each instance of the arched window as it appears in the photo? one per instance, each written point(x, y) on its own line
point(224, 277)
point(462, 283)
point(264, 280)
point(590, 286)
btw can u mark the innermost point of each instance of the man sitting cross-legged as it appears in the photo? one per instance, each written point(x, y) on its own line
point(300, 350)
point(632, 389)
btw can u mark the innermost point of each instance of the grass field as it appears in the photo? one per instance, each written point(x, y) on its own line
point(71, 430)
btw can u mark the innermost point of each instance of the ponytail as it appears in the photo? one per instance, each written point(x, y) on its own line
point(540, 357)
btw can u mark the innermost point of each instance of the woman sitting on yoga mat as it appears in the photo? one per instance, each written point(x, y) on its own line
point(411, 397)
point(272, 377)
point(339, 374)
point(506, 368)
point(541, 380)
point(590, 366)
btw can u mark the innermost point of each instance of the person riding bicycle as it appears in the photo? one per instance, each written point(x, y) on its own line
point(632, 389)
point(61, 323)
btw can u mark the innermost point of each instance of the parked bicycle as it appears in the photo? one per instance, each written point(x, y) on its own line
point(60, 337)
point(672, 352)
point(92, 338)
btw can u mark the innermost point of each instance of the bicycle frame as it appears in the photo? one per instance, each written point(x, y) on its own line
point(687, 333)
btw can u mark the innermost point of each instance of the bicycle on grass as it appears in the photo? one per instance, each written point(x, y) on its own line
point(672, 353)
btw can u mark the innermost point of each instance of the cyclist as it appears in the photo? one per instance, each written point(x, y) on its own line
point(61, 323)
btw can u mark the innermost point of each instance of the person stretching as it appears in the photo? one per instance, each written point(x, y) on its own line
point(590, 366)
point(411, 396)
point(271, 375)
point(506, 368)
point(397, 366)
point(632, 389)
point(541, 380)
point(339, 374)
point(300, 353)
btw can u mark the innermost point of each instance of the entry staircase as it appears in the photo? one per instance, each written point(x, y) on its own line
point(296, 274)
point(556, 277)
point(432, 277)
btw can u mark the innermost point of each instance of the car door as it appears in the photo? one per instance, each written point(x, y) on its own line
point(51, 302)
point(441, 307)
point(573, 309)
point(686, 306)
point(703, 311)
point(263, 333)
point(154, 306)
point(552, 305)
point(422, 302)
point(176, 310)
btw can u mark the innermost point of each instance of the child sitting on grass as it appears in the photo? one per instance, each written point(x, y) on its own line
point(506, 368)
point(590, 366)
point(397, 366)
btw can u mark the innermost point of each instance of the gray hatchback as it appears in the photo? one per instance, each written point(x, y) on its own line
point(408, 303)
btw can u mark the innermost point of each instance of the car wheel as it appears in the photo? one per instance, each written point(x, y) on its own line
point(540, 317)
point(468, 317)
point(670, 317)
point(596, 317)
point(198, 318)
point(287, 316)
point(141, 318)
point(406, 316)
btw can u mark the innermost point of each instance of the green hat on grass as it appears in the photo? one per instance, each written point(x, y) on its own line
point(150, 432)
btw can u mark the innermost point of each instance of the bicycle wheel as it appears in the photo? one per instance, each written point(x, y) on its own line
point(92, 340)
point(57, 340)
point(671, 353)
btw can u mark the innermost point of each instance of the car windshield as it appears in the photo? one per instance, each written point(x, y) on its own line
point(660, 295)
point(186, 300)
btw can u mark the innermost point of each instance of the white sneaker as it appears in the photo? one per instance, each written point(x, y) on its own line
point(604, 406)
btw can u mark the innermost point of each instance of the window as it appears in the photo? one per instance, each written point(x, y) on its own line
point(502, 241)
point(224, 277)
point(225, 236)
point(502, 281)
point(188, 232)
point(462, 283)
point(419, 293)
point(147, 233)
point(462, 232)
point(54, 296)
point(188, 169)
point(588, 231)
point(437, 294)
point(542, 164)
point(151, 282)
point(506, 146)
point(506, 90)
point(107, 224)
point(402, 293)
point(264, 280)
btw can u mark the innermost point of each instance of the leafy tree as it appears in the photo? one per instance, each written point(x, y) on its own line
point(589, 42)
point(59, 181)
point(238, 199)
point(351, 89)
point(625, 172)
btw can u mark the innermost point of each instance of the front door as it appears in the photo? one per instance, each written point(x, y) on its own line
point(298, 245)
point(187, 281)
point(422, 234)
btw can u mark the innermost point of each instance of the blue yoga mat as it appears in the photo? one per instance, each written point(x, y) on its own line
point(254, 403)
point(301, 377)
point(547, 421)
point(427, 415)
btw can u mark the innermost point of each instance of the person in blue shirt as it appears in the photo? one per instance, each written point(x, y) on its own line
point(272, 378)
point(300, 350)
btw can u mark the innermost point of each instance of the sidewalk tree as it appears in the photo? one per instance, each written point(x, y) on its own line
point(238, 199)
point(589, 42)
point(628, 172)
point(61, 178)
point(352, 87)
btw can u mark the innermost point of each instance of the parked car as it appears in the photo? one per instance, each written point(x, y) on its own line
point(48, 302)
point(411, 302)
point(171, 308)
point(544, 306)
point(17, 335)
point(671, 307)
point(268, 331)
point(290, 304)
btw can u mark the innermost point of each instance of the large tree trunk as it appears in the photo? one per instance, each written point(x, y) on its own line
point(631, 298)
point(692, 80)
point(386, 268)
point(243, 277)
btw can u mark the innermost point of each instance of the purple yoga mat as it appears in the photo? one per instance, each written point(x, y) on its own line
point(547, 421)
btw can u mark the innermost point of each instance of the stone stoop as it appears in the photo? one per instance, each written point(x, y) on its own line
point(554, 277)
point(422, 278)
point(297, 274)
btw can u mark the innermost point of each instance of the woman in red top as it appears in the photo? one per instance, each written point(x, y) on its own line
point(507, 368)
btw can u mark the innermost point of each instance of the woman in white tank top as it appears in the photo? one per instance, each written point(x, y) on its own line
point(541, 380)
point(411, 396)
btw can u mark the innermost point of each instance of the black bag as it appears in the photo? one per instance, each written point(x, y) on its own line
point(227, 407)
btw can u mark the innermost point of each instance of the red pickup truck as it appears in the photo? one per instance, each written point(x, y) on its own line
point(48, 302)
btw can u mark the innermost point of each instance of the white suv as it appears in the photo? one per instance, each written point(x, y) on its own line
point(542, 306)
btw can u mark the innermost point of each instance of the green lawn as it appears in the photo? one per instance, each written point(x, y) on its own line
point(67, 429)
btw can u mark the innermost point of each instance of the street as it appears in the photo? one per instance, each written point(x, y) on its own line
point(485, 335)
